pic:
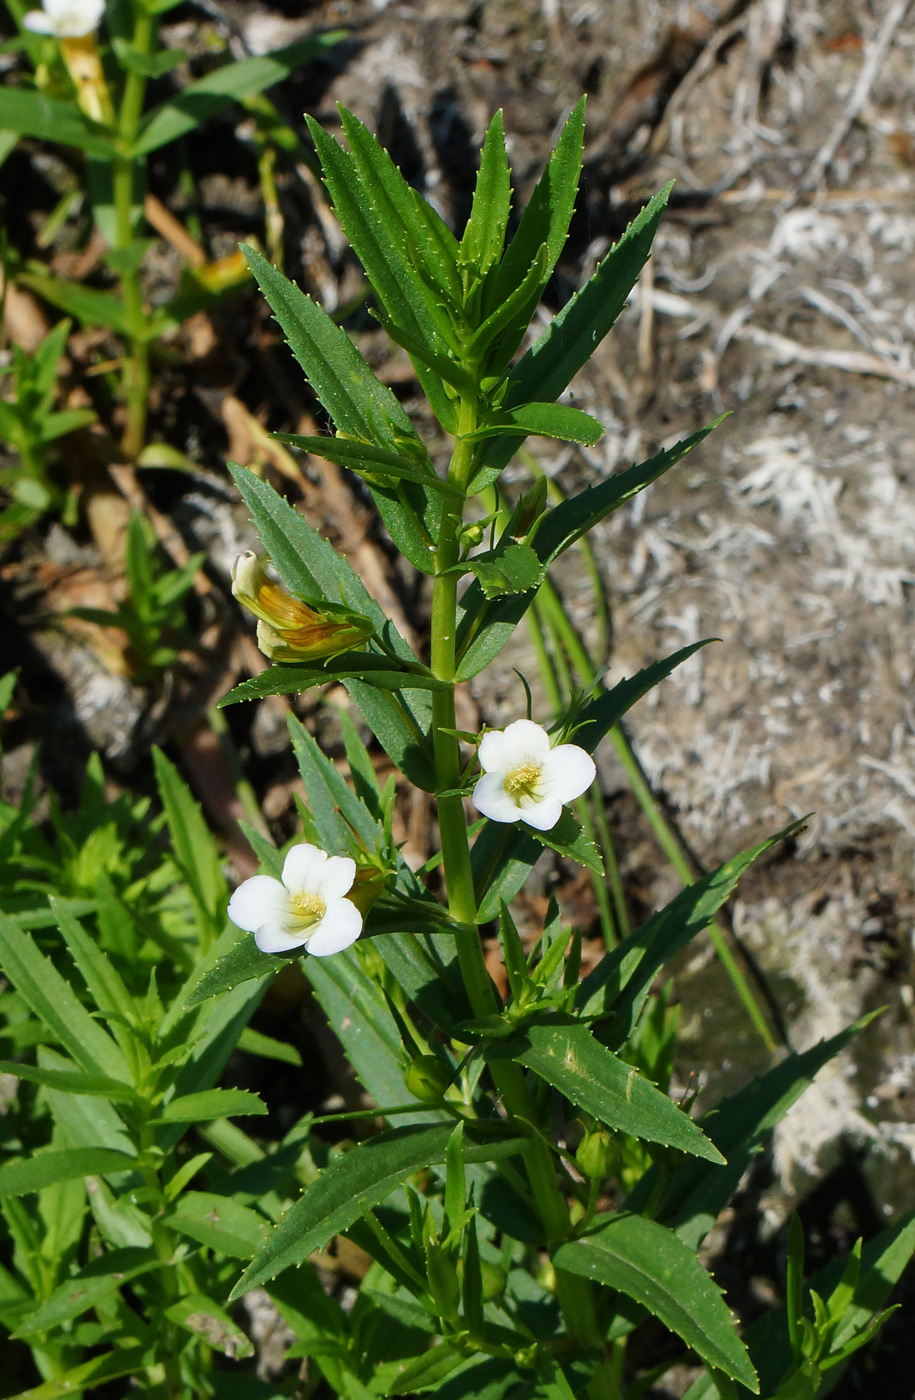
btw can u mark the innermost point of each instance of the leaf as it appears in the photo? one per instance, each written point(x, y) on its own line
point(484, 627)
point(503, 856)
point(367, 459)
point(73, 1081)
point(96, 968)
point(211, 1103)
point(484, 235)
point(92, 1285)
point(219, 1223)
point(568, 839)
point(54, 1002)
point(883, 1260)
point(91, 306)
point(425, 1371)
point(359, 404)
point(240, 962)
point(547, 368)
point(515, 569)
point(574, 517)
point(553, 420)
point(649, 1263)
point(359, 185)
point(266, 1048)
point(85, 1121)
point(203, 99)
point(22, 1175)
point(197, 1313)
point(365, 1175)
point(331, 801)
point(193, 845)
point(286, 679)
point(617, 987)
point(125, 1361)
point(739, 1125)
point(567, 1056)
point(548, 213)
point(33, 114)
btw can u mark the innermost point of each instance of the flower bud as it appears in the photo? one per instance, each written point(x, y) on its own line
point(289, 629)
point(530, 508)
point(427, 1078)
point(595, 1155)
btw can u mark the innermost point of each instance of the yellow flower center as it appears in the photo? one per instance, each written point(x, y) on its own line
point(522, 782)
point(308, 909)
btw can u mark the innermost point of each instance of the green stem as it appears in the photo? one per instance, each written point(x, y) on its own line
point(574, 1293)
point(136, 382)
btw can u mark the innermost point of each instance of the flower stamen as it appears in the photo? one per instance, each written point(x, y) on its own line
point(523, 781)
point(307, 909)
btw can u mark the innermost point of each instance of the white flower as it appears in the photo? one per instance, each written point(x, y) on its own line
point(307, 909)
point(527, 780)
point(65, 19)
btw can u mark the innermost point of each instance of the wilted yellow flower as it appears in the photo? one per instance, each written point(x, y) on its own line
point(287, 628)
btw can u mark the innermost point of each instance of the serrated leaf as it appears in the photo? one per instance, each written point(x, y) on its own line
point(617, 987)
point(484, 626)
point(211, 1103)
point(33, 114)
point(193, 846)
point(288, 679)
point(367, 1174)
point(567, 1056)
point(484, 235)
point(92, 1285)
point(73, 1081)
point(22, 1175)
point(516, 569)
point(240, 963)
point(693, 1197)
point(366, 458)
point(547, 214)
point(548, 367)
point(201, 100)
point(552, 420)
point(219, 1223)
point(125, 1361)
point(503, 856)
point(54, 1002)
point(649, 1263)
point(568, 839)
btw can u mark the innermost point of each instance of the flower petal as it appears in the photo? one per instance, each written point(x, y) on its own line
point(490, 798)
point(273, 936)
point(38, 22)
point(341, 926)
point(336, 878)
point(521, 742)
point(258, 900)
point(567, 773)
point(542, 815)
point(303, 868)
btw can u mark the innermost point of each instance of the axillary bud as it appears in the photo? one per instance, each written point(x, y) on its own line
point(289, 629)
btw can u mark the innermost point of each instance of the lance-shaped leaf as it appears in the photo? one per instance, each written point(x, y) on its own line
point(33, 114)
point(484, 235)
point(220, 1223)
point(359, 187)
point(484, 626)
point(883, 1260)
point(546, 216)
point(619, 984)
point(572, 336)
point(52, 999)
point(503, 856)
point(288, 679)
point(590, 1076)
point(100, 1279)
point(203, 99)
point(553, 420)
point(24, 1174)
point(125, 1361)
point(366, 1175)
point(693, 1197)
point(367, 459)
point(356, 400)
point(88, 304)
point(211, 1103)
point(651, 1264)
point(241, 962)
